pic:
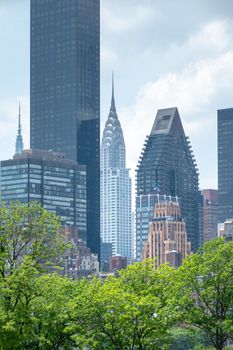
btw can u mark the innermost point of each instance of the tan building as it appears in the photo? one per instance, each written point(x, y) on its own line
point(167, 238)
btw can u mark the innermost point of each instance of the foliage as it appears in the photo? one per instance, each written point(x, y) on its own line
point(128, 312)
point(181, 338)
point(28, 230)
point(33, 310)
point(140, 309)
point(206, 290)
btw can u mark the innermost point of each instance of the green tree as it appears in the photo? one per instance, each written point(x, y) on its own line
point(182, 338)
point(128, 312)
point(33, 312)
point(205, 284)
point(28, 230)
point(37, 315)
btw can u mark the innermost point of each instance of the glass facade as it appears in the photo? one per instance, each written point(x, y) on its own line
point(225, 164)
point(65, 90)
point(167, 167)
point(57, 183)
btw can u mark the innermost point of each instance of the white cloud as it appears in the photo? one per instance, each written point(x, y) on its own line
point(210, 40)
point(195, 92)
point(125, 17)
point(2, 11)
point(108, 56)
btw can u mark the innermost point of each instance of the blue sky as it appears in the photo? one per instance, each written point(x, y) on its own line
point(164, 54)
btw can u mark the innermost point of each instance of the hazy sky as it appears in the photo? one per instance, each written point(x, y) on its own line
point(164, 53)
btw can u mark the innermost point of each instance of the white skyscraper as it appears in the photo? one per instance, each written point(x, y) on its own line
point(115, 184)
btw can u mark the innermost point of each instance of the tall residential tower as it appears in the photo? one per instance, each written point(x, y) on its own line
point(65, 90)
point(116, 208)
point(167, 167)
point(225, 164)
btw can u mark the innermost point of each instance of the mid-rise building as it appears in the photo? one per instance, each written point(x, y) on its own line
point(210, 214)
point(116, 206)
point(167, 239)
point(225, 164)
point(59, 184)
point(118, 263)
point(225, 229)
point(145, 206)
point(79, 260)
point(65, 90)
point(167, 166)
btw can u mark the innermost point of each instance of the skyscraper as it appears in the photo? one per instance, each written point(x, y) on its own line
point(210, 214)
point(65, 90)
point(57, 183)
point(167, 167)
point(19, 138)
point(167, 239)
point(116, 208)
point(225, 164)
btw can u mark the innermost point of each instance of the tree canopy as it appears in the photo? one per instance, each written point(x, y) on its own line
point(141, 308)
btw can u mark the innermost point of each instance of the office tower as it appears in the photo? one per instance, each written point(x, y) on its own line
point(167, 239)
point(19, 138)
point(225, 164)
point(65, 90)
point(145, 206)
point(167, 167)
point(57, 183)
point(116, 207)
point(210, 214)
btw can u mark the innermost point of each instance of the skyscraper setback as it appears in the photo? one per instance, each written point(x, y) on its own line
point(167, 167)
point(116, 209)
point(225, 164)
point(65, 90)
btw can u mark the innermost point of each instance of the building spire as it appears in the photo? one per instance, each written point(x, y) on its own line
point(19, 121)
point(19, 138)
point(113, 107)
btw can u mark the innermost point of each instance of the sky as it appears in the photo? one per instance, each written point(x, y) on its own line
point(164, 53)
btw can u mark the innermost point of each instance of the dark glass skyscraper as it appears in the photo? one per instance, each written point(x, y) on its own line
point(167, 167)
point(65, 90)
point(225, 164)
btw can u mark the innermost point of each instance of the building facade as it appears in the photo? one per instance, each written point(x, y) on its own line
point(58, 184)
point(210, 214)
point(65, 90)
point(225, 164)
point(225, 230)
point(145, 206)
point(79, 260)
point(116, 206)
point(167, 239)
point(167, 166)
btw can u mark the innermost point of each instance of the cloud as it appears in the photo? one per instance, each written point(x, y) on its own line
point(194, 90)
point(108, 56)
point(210, 40)
point(2, 11)
point(125, 17)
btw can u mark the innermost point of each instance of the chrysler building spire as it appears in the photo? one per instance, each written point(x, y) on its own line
point(115, 185)
point(19, 138)
point(113, 107)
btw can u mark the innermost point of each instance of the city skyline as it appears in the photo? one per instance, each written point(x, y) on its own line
point(196, 54)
